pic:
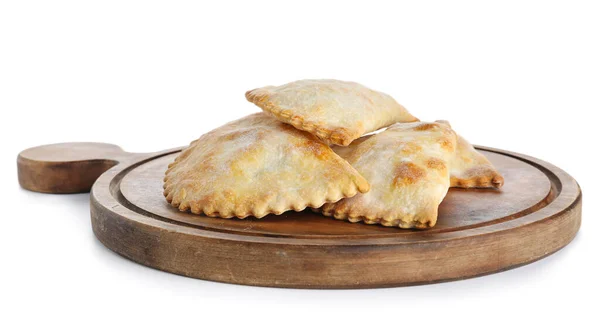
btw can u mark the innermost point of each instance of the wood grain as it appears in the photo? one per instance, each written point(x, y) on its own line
point(478, 232)
point(67, 167)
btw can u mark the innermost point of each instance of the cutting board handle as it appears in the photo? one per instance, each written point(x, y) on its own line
point(66, 168)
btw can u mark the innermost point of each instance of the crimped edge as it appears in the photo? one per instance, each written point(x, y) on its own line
point(256, 211)
point(341, 136)
point(402, 223)
point(496, 182)
point(358, 184)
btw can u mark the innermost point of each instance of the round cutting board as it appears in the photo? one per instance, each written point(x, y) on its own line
point(537, 212)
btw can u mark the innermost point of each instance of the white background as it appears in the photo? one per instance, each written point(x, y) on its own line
point(518, 75)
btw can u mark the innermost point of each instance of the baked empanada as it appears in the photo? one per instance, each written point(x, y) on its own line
point(257, 166)
point(407, 166)
point(471, 169)
point(468, 168)
point(335, 111)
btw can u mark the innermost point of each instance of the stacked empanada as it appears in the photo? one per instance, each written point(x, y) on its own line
point(281, 159)
point(335, 111)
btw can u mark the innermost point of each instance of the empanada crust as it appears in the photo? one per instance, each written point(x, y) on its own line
point(256, 166)
point(471, 169)
point(407, 166)
point(337, 112)
point(468, 168)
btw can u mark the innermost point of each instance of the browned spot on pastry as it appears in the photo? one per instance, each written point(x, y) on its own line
point(446, 143)
point(425, 126)
point(342, 136)
point(234, 135)
point(407, 173)
point(318, 149)
point(246, 157)
point(409, 147)
point(424, 225)
point(498, 181)
point(465, 159)
point(296, 120)
point(436, 164)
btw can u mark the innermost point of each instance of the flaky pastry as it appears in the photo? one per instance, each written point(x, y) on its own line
point(256, 166)
point(471, 169)
point(337, 112)
point(468, 167)
point(407, 166)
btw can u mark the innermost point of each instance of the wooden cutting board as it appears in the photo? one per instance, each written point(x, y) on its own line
point(537, 212)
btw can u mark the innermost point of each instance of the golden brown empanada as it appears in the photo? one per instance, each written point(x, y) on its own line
point(407, 166)
point(335, 111)
point(468, 168)
point(256, 166)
